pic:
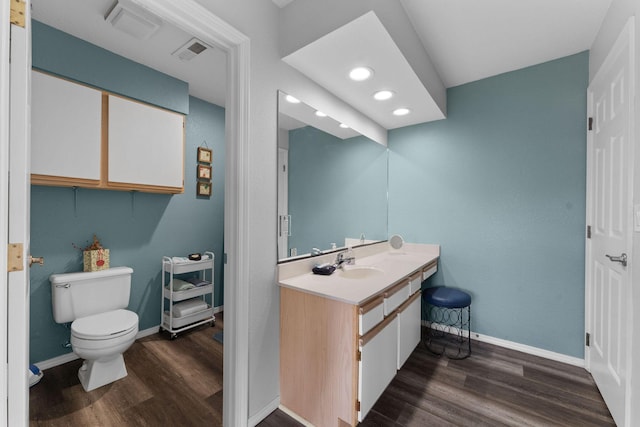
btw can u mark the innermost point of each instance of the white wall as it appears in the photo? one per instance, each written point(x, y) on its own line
point(617, 16)
point(258, 19)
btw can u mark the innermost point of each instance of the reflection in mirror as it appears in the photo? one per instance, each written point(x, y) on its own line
point(332, 183)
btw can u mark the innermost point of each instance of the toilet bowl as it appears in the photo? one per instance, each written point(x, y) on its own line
point(101, 340)
point(101, 329)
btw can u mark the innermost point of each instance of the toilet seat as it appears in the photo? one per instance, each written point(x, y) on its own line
point(105, 326)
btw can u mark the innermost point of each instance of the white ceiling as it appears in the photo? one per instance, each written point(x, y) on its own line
point(469, 40)
point(466, 40)
point(206, 73)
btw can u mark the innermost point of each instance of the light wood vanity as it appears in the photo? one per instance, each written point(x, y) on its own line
point(342, 340)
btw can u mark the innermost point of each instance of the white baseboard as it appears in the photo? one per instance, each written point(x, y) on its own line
point(149, 331)
point(551, 355)
point(264, 412)
point(65, 358)
point(295, 416)
point(56, 361)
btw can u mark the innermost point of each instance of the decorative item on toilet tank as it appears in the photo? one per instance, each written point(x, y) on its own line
point(94, 256)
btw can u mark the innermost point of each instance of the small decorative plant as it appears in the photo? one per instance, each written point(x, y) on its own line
point(94, 246)
point(95, 257)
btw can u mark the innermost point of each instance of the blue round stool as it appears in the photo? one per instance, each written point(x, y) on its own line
point(449, 329)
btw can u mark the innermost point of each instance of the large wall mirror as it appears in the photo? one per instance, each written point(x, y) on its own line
point(332, 183)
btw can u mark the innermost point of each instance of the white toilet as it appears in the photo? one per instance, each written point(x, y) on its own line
point(102, 329)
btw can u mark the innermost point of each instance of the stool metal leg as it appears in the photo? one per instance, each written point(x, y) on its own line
point(446, 331)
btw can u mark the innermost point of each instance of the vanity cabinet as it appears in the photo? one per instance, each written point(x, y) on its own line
point(85, 137)
point(337, 358)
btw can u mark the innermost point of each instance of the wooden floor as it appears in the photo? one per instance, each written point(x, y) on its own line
point(170, 383)
point(179, 383)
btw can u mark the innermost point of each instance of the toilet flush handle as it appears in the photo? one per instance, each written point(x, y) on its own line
point(36, 260)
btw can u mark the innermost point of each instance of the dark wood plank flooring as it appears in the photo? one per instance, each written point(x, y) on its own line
point(180, 383)
point(169, 383)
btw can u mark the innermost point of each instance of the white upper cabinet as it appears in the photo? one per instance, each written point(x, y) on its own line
point(65, 135)
point(144, 144)
point(90, 138)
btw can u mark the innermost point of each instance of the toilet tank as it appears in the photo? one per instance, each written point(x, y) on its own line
point(75, 295)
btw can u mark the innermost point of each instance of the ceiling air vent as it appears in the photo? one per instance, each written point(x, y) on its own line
point(133, 20)
point(190, 50)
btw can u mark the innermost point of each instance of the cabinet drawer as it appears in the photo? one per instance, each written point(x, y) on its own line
point(371, 314)
point(415, 282)
point(396, 296)
point(429, 270)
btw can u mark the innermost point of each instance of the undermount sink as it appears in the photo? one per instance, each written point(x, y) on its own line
point(359, 272)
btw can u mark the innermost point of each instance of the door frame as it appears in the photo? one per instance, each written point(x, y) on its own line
point(625, 40)
point(202, 23)
point(5, 28)
point(19, 211)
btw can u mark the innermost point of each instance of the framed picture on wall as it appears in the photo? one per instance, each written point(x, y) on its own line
point(205, 155)
point(204, 189)
point(204, 172)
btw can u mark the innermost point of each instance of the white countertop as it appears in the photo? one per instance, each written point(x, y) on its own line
point(395, 265)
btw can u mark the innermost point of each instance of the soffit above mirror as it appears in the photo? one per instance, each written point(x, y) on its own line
point(365, 42)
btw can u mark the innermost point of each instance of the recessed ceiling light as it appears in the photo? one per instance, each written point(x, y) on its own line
point(292, 99)
point(360, 73)
point(401, 111)
point(383, 95)
point(343, 126)
point(320, 114)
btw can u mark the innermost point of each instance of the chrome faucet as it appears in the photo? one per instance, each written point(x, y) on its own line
point(345, 257)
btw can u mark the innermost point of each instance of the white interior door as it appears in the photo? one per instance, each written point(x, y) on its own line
point(609, 214)
point(16, 309)
point(283, 203)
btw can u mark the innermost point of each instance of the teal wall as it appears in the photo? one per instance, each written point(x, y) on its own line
point(60, 53)
point(337, 189)
point(500, 184)
point(138, 228)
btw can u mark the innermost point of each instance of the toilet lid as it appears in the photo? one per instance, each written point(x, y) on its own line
point(111, 324)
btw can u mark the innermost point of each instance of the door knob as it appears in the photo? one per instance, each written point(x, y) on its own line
point(622, 259)
point(36, 260)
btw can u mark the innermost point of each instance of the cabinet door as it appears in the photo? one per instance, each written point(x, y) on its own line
point(377, 366)
point(65, 133)
point(146, 145)
point(408, 329)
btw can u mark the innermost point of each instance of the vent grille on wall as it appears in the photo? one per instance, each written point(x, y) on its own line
point(190, 50)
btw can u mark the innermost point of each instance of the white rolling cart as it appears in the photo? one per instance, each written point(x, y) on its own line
point(170, 320)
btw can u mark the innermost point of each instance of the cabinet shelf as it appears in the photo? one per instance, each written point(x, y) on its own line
point(169, 320)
